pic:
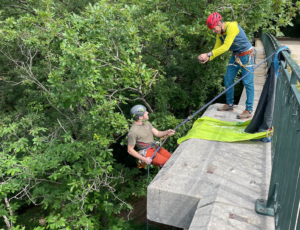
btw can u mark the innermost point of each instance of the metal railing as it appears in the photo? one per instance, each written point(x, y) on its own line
point(284, 191)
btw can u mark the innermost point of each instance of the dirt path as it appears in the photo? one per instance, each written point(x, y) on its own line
point(294, 45)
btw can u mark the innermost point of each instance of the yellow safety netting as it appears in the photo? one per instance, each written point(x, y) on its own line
point(226, 131)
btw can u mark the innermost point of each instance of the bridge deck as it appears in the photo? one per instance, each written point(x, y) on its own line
point(208, 185)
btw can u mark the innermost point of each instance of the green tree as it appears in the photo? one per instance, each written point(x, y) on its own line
point(292, 28)
point(70, 73)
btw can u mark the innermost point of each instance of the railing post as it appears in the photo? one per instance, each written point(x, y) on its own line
point(266, 207)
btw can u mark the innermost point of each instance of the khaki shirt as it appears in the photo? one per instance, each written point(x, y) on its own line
point(140, 133)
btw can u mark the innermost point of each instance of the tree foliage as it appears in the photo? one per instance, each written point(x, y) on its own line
point(71, 70)
point(291, 29)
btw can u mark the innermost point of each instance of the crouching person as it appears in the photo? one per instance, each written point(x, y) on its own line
point(141, 135)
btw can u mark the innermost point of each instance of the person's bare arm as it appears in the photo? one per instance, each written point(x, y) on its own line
point(157, 133)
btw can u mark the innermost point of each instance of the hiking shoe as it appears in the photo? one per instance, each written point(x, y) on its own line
point(225, 107)
point(245, 115)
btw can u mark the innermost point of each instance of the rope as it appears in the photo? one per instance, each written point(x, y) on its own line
point(198, 111)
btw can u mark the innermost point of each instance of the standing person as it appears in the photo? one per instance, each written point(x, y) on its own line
point(230, 36)
point(141, 135)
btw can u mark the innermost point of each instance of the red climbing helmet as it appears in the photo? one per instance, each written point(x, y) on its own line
point(213, 20)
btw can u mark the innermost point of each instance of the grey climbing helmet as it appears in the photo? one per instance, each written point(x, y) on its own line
point(137, 111)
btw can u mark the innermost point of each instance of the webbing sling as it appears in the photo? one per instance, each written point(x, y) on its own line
point(198, 111)
point(276, 62)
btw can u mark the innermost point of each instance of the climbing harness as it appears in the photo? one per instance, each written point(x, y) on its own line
point(201, 109)
point(143, 152)
point(251, 53)
point(142, 164)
